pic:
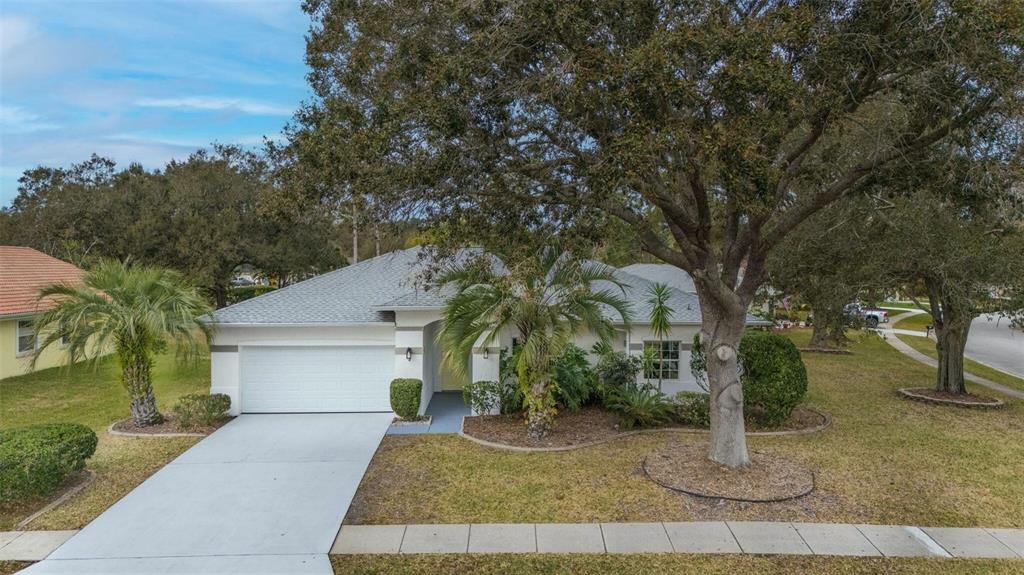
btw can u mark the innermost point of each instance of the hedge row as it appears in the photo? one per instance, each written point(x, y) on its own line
point(36, 459)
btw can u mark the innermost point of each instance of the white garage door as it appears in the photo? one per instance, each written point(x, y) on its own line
point(315, 378)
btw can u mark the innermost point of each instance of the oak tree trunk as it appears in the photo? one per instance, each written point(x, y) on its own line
point(829, 326)
point(951, 338)
point(721, 330)
point(952, 319)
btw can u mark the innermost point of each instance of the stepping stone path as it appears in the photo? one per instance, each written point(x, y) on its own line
point(750, 537)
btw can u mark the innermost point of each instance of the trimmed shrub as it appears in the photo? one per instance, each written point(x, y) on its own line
point(692, 408)
point(640, 406)
point(405, 397)
point(618, 370)
point(201, 410)
point(482, 396)
point(575, 382)
point(36, 459)
point(774, 377)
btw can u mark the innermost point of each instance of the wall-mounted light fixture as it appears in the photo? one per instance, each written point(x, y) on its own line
point(408, 354)
point(486, 353)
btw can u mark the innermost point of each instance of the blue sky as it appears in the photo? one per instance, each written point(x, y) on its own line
point(144, 80)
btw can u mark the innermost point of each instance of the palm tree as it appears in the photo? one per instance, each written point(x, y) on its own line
point(134, 309)
point(546, 300)
point(659, 318)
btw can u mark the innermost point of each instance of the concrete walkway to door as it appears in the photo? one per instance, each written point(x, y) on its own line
point(265, 493)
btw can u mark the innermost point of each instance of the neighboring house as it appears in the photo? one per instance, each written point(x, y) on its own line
point(23, 272)
point(334, 342)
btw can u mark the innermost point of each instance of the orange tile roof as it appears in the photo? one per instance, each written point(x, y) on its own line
point(23, 272)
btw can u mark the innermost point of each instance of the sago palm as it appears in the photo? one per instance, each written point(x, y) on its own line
point(546, 301)
point(135, 311)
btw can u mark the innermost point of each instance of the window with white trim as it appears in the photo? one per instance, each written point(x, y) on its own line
point(26, 336)
point(666, 359)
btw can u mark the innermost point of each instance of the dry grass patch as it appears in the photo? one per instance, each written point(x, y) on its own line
point(884, 460)
point(120, 464)
point(659, 564)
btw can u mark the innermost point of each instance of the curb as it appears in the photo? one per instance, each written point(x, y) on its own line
point(114, 432)
point(688, 430)
point(908, 393)
point(427, 420)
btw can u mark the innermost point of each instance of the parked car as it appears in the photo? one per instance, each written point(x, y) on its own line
point(241, 281)
point(870, 316)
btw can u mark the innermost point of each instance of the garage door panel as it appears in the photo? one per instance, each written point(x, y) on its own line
point(315, 378)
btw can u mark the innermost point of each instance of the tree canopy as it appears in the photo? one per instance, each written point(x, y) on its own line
point(710, 129)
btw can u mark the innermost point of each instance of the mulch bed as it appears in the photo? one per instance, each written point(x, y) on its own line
point(969, 400)
point(684, 467)
point(170, 425)
point(831, 350)
point(593, 424)
point(587, 425)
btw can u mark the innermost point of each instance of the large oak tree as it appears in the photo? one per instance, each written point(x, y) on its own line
point(712, 129)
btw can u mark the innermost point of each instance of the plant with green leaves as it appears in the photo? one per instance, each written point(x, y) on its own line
point(660, 316)
point(640, 405)
point(707, 131)
point(137, 311)
point(547, 300)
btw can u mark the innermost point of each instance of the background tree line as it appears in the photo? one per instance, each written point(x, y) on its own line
point(204, 216)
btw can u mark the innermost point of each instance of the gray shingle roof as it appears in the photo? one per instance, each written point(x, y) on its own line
point(345, 296)
point(370, 291)
point(662, 273)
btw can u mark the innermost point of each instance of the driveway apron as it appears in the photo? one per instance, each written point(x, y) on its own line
point(275, 486)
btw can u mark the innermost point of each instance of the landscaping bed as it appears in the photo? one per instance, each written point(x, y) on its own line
point(969, 400)
point(170, 426)
point(684, 467)
point(591, 425)
point(883, 461)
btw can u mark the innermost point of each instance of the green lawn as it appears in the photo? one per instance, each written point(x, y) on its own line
point(899, 305)
point(919, 322)
point(885, 460)
point(658, 564)
point(95, 397)
point(927, 346)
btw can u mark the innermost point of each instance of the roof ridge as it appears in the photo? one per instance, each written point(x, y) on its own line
point(316, 278)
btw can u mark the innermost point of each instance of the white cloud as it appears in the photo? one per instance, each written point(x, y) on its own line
point(217, 103)
point(15, 120)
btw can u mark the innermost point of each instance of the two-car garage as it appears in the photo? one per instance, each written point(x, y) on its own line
point(314, 378)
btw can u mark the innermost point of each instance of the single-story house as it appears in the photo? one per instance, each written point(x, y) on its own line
point(23, 272)
point(334, 342)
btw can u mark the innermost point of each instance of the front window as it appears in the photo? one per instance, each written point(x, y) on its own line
point(26, 336)
point(665, 355)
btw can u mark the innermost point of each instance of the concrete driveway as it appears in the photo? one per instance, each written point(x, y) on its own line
point(265, 493)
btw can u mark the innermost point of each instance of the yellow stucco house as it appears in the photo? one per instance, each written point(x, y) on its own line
point(23, 272)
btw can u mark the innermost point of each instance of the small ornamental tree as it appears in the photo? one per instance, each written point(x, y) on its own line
point(546, 300)
point(135, 310)
point(710, 129)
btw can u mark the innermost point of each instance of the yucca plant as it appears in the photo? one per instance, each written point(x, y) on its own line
point(661, 312)
point(136, 310)
point(546, 300)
